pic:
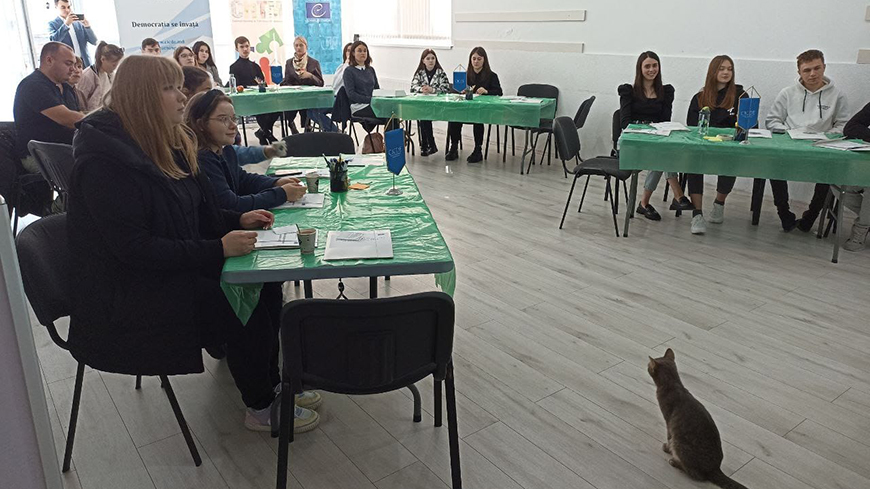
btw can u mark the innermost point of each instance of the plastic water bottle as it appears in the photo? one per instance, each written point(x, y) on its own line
point(232, 84)
point(704, 121)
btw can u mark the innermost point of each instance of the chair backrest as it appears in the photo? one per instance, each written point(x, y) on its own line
point(366, 346)
point(44, 258)
point(55, 163)
point(539, 90)
point(567, 139)
point(616, 130)
point(341, 107)
point(319, 143)
point(583, 112)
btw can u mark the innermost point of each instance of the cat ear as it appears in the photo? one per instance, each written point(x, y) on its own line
point(669, 354)
point(652, 364)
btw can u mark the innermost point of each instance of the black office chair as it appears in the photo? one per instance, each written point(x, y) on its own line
point(319, 143)
point(44, 257)
point(580, 118)
point(55, 163)
point(360, 347)
point(535, 90)
point(605, 166)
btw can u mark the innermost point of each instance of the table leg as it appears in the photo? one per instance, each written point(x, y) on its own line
point(629, 213)
point(283, 126)
point(309, 292)
point(244, 132)
point(757, 198)
point(373, 287)
point(840, 199)
point(525, 152)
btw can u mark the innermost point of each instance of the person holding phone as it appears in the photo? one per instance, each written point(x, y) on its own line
point(72, 30)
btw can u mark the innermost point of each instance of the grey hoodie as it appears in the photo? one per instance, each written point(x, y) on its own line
point(797, 108)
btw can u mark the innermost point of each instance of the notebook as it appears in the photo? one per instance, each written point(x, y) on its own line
point(358, 245)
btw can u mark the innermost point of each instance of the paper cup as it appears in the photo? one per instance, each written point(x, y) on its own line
point(313, 182)
point(307, 240)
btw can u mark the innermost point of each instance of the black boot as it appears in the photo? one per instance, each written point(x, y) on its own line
point(476, 156)
point(452, 153)
point(432, 147)
point(261, 137)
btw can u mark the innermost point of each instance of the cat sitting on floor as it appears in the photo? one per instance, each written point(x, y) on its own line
point(693, 440)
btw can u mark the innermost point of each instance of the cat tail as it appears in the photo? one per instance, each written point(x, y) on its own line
point(724, 481)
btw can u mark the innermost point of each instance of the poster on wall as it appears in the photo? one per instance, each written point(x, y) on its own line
point(172, 23)
point(320, 24)
point(262, 22)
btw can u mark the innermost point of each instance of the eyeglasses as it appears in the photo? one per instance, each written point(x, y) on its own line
point(185, 55)
point(227, 121)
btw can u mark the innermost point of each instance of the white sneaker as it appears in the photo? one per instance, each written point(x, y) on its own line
point(699, 224)
point(261, 419)
point(857, 239)
point(718, 214)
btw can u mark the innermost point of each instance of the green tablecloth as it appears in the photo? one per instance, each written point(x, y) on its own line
point(252, 102)
point(453, 107)
point(418, 247)
point(778, 158)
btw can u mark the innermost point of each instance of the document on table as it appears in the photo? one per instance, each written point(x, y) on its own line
point(373, 159)
point(308, 201)
point(670, 126)
point(533, 101)
point(277, 238)
point(653, 132)
point(760, 133)
point(300, 174)
point(356, 245)
point(843, 145)
point(803, 134)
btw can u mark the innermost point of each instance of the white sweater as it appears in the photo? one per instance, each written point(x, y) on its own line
point(797, 108)
point(94, 87)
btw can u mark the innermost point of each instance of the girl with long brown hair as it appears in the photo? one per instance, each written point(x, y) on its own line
point(148, 243)
point(721, 95)
point(649, 100)
point(97, 79)
point(429, 79)
point(481, 81)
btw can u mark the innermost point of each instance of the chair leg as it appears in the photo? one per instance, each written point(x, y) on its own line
point(453, 430)
point(583, 197)
point(532, 156)
point(513, 142)
point(504, 150)
point(497, 140)
point(488, 131)
point(438, 403)
point(568, 203)
point(418, 413)
point(667, 187)
point(826, 207)
point(625, 190)
point(185, 431)
point(612, 207)
point(353, 131)
point(615, 201)
point(549, 148)
point(138, 382)
point(285, 427)
point(74, 416)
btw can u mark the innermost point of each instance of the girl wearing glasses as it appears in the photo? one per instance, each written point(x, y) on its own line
point(212, 117)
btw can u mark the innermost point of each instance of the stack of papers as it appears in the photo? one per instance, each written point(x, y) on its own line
point(844, 145)
point(308, 201)
point(653, 132)
point(803, 134)
point(760, 133)
point(670, 126)
point(358, 245)
point(278, 238)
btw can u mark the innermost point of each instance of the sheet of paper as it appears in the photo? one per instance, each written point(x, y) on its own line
point(300, 174)
point(760, 133)
point(308, 201)
point(803, 134)
point(533, 101)
point(373, 159)
point(670, 126)
point(277, 238)
point(843, 145)
point(358, 245)
point(653, 132)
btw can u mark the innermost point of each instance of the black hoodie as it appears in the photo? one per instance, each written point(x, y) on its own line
point(138, 257)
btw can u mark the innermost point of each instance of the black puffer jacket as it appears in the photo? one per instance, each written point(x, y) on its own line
point(138, 258)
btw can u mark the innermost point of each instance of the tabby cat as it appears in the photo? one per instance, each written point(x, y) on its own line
point(693, 440)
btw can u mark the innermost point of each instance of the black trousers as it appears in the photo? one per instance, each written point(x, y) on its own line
point(252, 348)
point(427, 136)
point(695, 183)
point(780, 199)
point(267, 121)
point(290, 116)
point(454, 130)
point(368, 113)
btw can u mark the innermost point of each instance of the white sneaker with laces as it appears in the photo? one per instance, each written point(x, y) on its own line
point(718, 214)
point(261, 419)
point(699, 224)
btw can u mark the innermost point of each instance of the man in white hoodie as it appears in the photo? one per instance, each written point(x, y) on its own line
point(813, 104)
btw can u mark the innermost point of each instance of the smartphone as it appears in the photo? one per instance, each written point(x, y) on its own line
point(80, 16)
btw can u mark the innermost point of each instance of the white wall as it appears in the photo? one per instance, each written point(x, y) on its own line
point(763, 37)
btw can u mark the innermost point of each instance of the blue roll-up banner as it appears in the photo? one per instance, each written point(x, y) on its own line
point(747, 112)
point(320, 24)
point(173, 24)
point(394, 144)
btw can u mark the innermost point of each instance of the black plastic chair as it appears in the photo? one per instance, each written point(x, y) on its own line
point(360, 347)
point(580, 118)
point(44, 257)
point(55, 163)
point(535, 90)
point(341, 113)
point(604, 166)
point(319, 143)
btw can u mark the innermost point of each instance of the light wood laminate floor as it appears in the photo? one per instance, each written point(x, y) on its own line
point(553, 332)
